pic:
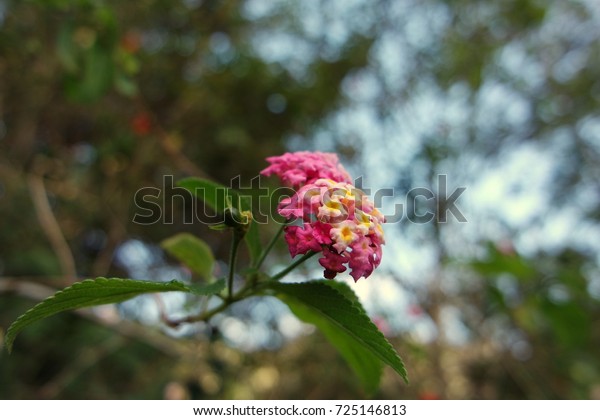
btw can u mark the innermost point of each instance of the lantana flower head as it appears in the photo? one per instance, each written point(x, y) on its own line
point(332, 216)
point(300, 168)
point(338, 220)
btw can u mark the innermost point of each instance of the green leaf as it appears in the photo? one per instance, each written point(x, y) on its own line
point(335, 310)
point(100, 291)
point(348, 293)
point(207, 289)
point(366, 365)
point(252, 239)
point(218, 197)
point(191, 251)
point(215, 195)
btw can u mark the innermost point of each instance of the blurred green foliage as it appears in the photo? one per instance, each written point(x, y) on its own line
point(101, 98)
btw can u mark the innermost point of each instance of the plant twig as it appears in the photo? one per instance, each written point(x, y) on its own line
point(268, 248)
point(295, 264)
point(50, 226)
point(249, 290)
point(235, 243)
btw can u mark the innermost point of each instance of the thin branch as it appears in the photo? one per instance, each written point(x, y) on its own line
point(28, 287)
point(235, 243)
point(295, 264)
point(115, 235)
point(268, 248)
point(50, 226)
point(203, 317)
point(249, 290)
point(162, 310)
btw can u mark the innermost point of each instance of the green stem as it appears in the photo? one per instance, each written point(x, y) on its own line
point(266, 251)
point(235, 243)
point(295, 264)
point(249, 290)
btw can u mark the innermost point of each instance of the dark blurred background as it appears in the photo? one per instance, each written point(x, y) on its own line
point(101, 98)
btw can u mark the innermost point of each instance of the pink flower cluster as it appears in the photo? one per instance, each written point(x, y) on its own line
point(337, 219)
point(300, 168)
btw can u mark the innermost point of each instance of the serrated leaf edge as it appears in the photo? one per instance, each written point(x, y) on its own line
point(360, 310)
point(9, 338)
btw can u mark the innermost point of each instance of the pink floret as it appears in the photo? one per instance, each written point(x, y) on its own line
point(301, 168)
point(333, 262)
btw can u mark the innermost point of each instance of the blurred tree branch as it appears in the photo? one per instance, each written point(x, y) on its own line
point(50, 226)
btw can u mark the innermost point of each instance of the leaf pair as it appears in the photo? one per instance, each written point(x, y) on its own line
point(332, 307)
